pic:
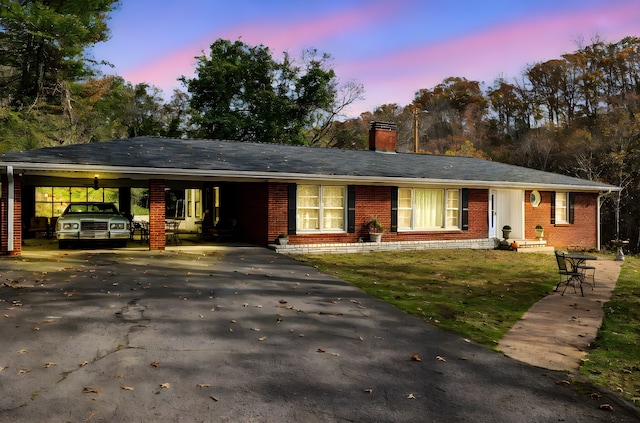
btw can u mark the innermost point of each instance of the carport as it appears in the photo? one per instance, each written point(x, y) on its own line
point(19, 183)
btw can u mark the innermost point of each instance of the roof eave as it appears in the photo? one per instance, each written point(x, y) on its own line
point(36, 168)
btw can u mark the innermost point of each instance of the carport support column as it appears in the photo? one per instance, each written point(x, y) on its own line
point(11, 208)
point(157, 214)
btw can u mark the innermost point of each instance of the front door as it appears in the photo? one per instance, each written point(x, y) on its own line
point(493, 214)
point(506, 207)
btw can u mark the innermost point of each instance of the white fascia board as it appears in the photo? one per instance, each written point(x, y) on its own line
point(161, 173)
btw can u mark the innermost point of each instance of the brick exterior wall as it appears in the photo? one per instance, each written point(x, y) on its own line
point(17, 217)
point(373, 201)
point(583, 232)
point(277, 215)
point(157, 214)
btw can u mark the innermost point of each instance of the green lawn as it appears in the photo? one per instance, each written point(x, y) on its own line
point(614, 361)
point(481, 294)
point(477, 293)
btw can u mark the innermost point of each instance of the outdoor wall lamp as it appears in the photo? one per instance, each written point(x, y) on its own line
point(95, 182)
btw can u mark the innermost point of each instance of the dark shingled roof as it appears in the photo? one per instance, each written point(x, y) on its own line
point(267, 160)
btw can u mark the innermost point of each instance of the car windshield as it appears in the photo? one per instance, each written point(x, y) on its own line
point(104, 208)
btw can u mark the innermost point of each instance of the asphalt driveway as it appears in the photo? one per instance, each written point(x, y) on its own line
point(245, 335)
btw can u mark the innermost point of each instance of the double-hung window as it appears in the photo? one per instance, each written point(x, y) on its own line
point(561, 208)
point(321, 208)
point(424, 209)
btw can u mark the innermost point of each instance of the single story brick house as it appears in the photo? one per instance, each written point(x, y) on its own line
point(318, 196)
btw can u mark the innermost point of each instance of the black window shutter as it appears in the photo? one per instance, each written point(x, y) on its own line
point(465, 209)
point(394, 209)
point(570, 200)
point(553, 207)
point(351, 209)
point(292, 207)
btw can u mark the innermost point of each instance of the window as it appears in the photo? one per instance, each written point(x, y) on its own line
point(320, 208)
point(51, 201)
point(561, 208)
point(420, 209)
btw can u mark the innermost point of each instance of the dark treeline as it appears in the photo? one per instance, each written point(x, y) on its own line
point(577, 115)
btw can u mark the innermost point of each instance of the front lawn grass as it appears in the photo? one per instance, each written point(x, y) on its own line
point(614, 361)
point(480, 294)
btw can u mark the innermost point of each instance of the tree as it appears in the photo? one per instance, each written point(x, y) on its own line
point(241, 93)
point(42, 45)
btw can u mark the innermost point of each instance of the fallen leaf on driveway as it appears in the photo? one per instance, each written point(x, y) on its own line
point(563, 382)
point(607, 407)
point(415, 357)
point(49, 364)
point(411, 396)
point(3, 368)
point(262, 338)
point(166, 385)
point(84, 363)
point(320, 350)
point(440, 358)
point(368, 391)
point(155, 364)
point(126, 388)
point(22, 351)
point(90, 390)
point(23, 371)
point(203, 385)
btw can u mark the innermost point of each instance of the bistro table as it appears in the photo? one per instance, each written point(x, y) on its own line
point(578, 259)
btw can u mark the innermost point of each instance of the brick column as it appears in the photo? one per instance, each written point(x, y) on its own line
point(157, 215)
point(17, 217)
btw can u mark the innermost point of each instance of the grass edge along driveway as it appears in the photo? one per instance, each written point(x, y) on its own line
point(481, 294)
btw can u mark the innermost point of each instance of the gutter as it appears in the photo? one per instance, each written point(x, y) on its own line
point(42, 169)
point(598, 236)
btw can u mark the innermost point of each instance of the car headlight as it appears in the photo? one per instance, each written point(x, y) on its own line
point(117, 226)
point(70, 226)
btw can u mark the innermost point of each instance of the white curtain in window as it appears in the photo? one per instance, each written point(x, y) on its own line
point(453, 199)
point(333, 207)
point(405, 208)
point(308, 207)
point(428, 208)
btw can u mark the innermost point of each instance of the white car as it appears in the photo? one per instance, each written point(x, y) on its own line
point(92, 223)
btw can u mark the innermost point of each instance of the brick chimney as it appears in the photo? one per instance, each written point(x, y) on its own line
point(383, 136)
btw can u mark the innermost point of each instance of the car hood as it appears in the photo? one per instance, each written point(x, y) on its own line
point(91, 216)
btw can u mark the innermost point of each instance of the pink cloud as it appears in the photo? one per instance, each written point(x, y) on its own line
point(394, 77)
point(278, 36)
point(502, 51)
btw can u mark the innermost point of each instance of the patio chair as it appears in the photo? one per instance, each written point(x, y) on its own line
point(171, 231)
point(588, 272)
point(225, 228)
point(568, 275)
point(38, 225)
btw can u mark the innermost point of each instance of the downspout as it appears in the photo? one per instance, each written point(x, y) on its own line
point(600, 196)
point(10, 201)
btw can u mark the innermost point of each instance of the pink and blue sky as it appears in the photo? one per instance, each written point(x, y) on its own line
point(394, 48)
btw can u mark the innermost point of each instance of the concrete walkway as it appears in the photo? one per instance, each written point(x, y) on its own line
point(557, 330)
